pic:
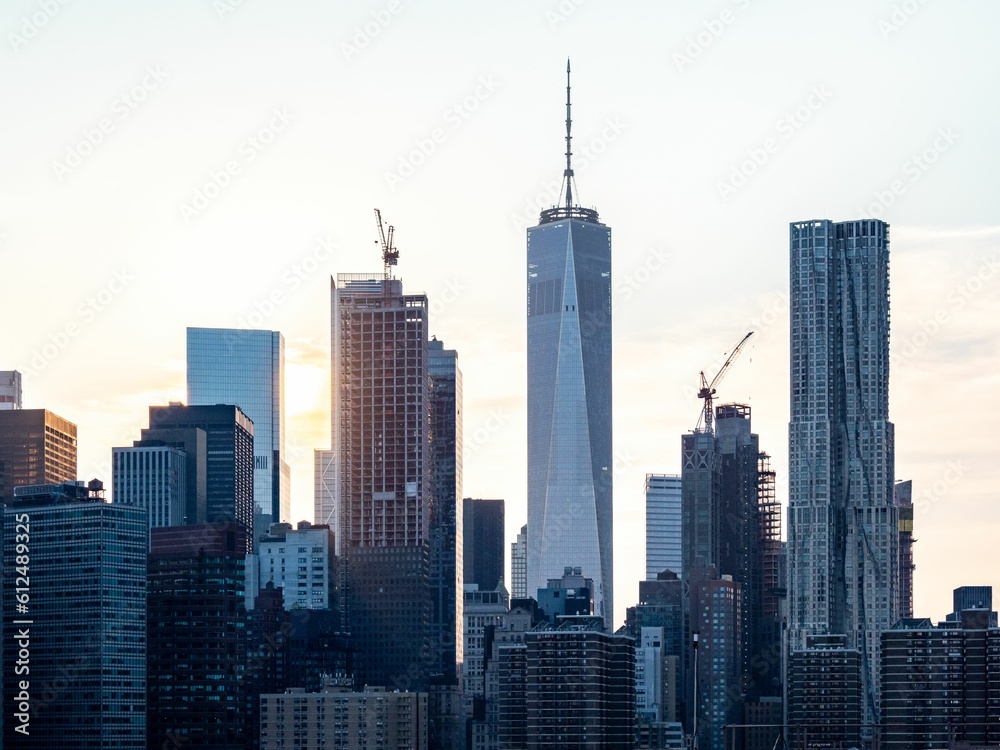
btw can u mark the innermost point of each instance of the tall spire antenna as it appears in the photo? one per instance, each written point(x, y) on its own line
point(568, 174)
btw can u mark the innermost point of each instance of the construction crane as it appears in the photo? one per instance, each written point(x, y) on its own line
point(390, 255)
point(707, 392)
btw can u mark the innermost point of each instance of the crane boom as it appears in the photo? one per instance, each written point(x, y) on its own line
point(707, 390)
point(390, 255)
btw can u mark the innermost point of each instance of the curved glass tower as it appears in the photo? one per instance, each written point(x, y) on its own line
point(569, 395)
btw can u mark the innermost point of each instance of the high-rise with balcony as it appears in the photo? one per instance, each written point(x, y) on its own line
point(843, 530)
point(247, 368)
point(569, 394)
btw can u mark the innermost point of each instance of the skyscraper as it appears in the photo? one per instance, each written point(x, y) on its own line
point(10, 390)
point(78, 641)
point(166, 473)
point(569, 394)
point(663, 524)
point(36, 447)
point(446, 511)
point(247, 368)
point(519, 565)
point(843, 527)
point(197, 650)
point(381, 475)
point(482, 539)
point(229, 475)
point(903, 492)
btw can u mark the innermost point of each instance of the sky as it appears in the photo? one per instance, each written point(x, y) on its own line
point(214, 162)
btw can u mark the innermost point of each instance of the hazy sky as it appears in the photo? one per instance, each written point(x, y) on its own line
point(213, 162)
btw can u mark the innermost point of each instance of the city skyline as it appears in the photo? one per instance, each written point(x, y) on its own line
point(693, 105)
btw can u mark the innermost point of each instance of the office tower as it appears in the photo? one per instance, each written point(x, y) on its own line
point(229, 475)
point(592, 702)
point(721, 500)
point(247, 368)
point(482, 540)
point(75, 630)
point(663, 524)
point(824, 693)
point(446, 511)
point(519, 565)
point(154, 478)
point(569, 394)
point(340, 717)
point(483, 609)
point(701, 490)
point(36, 447)
point(655, 678)
point(843, 527)
point(570, 595)
point(662, 606)
point(300, 562)
point(903, 497)
point(381, 445)
point(714, 614)
point(941, 685)
point(973, 597)
point(10, 390)
point(197, 649)
point(166, 473)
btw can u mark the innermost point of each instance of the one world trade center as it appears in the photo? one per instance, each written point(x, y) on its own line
point(569, 394)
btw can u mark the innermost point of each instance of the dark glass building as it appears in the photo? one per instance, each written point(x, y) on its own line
point(483, 542)
point(36, 447)
point(197, 649)
point(446, 522)
point(247, 368)
point(75, 625)
point(229, 470)
point(446, 717)
point(569, 395)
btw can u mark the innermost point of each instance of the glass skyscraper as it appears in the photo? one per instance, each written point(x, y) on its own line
point(663, 524)
point(569, 396)
point(843, 522)
point(75, 630)
point(247, 369)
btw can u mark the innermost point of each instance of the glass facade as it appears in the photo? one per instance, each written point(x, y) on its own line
point(663, 524)
point(446, 517)
point(569, 403)
point(85, 565)
point(229, 474)
point(154, 478)
point(247, 368)
point(482, 557)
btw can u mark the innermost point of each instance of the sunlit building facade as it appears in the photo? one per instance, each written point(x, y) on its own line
point(247, 368)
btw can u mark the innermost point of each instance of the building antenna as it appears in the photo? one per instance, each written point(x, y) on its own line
point(568, 174)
